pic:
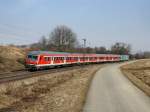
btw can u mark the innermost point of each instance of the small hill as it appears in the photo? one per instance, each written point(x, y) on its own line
point(11, 58)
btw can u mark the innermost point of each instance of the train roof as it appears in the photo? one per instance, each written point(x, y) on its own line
point(64, 53)
point(45, 52)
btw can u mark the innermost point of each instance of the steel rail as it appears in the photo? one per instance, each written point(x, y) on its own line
point(7, 77)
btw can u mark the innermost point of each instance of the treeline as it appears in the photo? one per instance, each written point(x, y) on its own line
point(141, 55)
point(64, 39)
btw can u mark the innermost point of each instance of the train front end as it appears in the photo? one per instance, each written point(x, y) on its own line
point(31, 61)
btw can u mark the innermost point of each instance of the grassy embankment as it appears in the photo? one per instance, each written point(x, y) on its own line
point(57, 92)
point(11, 59)
point(139, 73)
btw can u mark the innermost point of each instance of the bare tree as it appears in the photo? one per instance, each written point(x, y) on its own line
point(146, 54)
point(63, 38)
point(43, 43)
point(89, 50)
point(100, 50)
point(139, 55)
point(121, 48)
point(142, 55)
point(40, 45)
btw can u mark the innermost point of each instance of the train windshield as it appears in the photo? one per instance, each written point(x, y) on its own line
point(32, 57)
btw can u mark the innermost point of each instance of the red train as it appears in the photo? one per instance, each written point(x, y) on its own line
point(45, 59)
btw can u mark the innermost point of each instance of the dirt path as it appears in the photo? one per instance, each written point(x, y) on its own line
point(111, 91)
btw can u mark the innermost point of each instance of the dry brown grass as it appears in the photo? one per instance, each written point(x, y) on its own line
point(139, 73)
point(57, 92)
point(11, 59)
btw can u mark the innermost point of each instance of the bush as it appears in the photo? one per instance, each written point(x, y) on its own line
point(21, 61)
point(1, 59)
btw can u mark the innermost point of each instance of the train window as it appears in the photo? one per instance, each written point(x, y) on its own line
point(55, 58)
point(90, 58)
point(49, 58)
point(29, 56)
point(101, 58)
point(76, 58)
point(45, 58)
point(81, 58)
point(32, 57)
point(68, 58)
point(35, 57)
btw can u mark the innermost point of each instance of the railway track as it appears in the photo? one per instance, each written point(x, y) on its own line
point(7, 77)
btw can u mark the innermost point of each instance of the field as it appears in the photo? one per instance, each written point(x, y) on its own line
point(139, 73)
point(56, 92)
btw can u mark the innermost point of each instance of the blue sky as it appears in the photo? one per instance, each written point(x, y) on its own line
point(101, 22)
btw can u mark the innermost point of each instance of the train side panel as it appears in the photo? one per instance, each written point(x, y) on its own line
point(124, 57)
point(46, 59)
